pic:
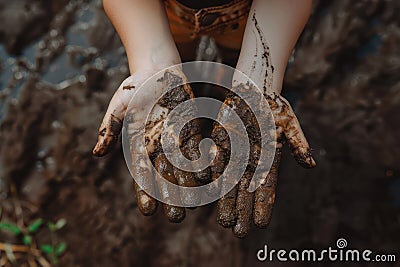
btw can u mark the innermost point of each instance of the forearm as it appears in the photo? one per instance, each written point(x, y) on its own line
point(271, 33)
point(143, 28)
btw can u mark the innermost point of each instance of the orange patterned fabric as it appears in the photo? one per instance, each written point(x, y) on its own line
point(225, 23)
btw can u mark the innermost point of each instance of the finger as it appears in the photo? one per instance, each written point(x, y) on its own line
point(244, 207)
point(226, 209)
point(108, 135)
point(186, 179)
point(236, 208)
point(217, 168)
point(189, 136)
point(245, 198)
point(265, 194)
point(298, 143)
point(190, 139)
point(147, 205)
point(164, 168)
point(221, 150)
point(111, 125)
point(288, 123)
point(144, 179)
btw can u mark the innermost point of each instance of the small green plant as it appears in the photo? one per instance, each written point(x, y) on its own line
point(52, 250)
point(26, 234)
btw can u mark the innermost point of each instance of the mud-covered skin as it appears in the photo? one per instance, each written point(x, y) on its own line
point(165, 169)
point(235, 208)
point(146, 204)
point(288, 125)
point(108, 136)
point(178, 94)
point(188, 140)
point(143, 174)
point(239, 207)
point(265, 194)
point(189, 137)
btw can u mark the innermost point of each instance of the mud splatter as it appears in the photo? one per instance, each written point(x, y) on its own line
point(128, 87)
point(265, 56)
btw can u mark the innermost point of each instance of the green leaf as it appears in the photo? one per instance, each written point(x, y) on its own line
point(33, 227)
point(48, 249)
point(27, 239)
point(10, 227)
point(61, 223)
point(60, 249)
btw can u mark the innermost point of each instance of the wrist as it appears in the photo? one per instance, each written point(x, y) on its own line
point(153, 57)
point(247, 73)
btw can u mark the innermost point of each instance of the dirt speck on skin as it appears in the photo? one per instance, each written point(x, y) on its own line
point(128, 87)
point(343, 84)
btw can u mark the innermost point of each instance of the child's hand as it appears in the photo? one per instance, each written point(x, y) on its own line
point(111, 125)
point(135, 118)
point(239, 207)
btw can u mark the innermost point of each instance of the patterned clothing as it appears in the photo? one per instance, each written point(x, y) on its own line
point(225, 23)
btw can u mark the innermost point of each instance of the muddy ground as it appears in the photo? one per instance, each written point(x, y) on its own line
point(60, 62)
